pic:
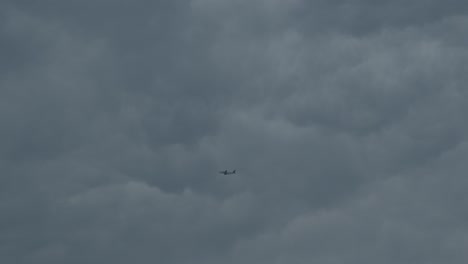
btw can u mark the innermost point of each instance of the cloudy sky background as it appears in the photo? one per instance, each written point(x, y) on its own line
point(344, 119)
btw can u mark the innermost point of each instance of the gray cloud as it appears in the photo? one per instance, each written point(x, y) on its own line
point(344, 120)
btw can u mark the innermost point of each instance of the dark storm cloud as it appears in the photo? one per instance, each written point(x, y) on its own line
point(344, 119)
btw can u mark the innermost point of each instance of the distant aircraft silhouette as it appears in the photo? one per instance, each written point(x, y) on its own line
point(225, 172)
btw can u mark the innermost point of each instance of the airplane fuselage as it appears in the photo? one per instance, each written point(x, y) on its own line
point(225, 172)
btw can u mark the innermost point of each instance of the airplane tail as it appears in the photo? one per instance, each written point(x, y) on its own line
point(234, 171)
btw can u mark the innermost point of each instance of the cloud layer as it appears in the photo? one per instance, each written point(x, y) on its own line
point(344, 120)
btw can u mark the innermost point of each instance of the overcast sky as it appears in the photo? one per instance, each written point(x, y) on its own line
point(345, 120)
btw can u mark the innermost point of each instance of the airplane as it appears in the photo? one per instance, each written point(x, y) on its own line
point(225, 172)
